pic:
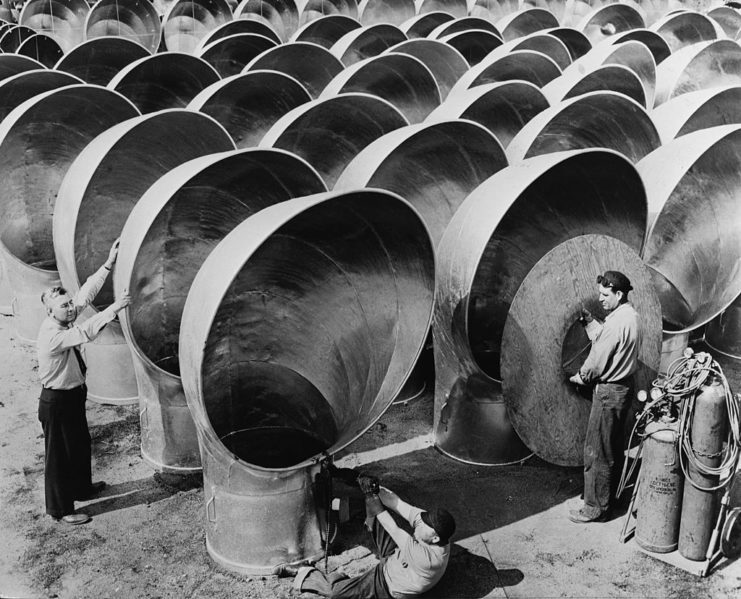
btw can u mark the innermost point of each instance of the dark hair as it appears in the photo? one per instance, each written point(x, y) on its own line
point(51, 293)
point(616, 281)
point(442, 522)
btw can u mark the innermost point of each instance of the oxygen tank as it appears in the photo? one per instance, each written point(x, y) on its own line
point(660, 489)
point(700, 508)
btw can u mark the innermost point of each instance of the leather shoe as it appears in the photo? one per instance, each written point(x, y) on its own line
point(582, 517)
point(74, 519)
point(95, 488)
point(285, 571)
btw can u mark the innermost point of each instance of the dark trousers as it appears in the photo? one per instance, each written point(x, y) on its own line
point(67, 473)
point(371, 585)
point(604, 444)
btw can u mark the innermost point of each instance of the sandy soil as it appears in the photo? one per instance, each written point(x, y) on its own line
point(146, 539)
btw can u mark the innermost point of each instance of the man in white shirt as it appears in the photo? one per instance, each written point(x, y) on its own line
point(610, 366)
point(67, 470)
point(410, 564)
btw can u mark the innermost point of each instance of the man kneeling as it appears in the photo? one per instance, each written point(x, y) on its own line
point(409, 564)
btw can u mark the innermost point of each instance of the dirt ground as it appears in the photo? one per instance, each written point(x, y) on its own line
point(146, 538)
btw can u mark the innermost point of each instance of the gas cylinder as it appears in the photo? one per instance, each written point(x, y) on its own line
point(700, 508)
point(660, 482)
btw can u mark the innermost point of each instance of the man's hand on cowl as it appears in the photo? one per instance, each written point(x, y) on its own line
point(113, 254)
point(121, 302)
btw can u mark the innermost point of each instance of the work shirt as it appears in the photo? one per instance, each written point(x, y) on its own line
point(414, 567)
point(615, 344)
point(58, 366)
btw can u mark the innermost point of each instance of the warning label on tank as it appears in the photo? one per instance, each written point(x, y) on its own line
point(663, 486)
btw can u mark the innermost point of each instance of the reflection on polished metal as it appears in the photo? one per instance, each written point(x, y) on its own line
point(524, 22)
point(166, 238)
point(465, 24)
point(281, 15)
point(186, 22)
point(338, 129)
point(132, 19)
point(700, 66)
point(492, 242)
point(363, 43)
point(541, 348)
point(356, 271)
point(42, 48)
point(165, 80)
point(99, 60)
point(315, 9)
point(311, 65)
point(694, 241)
point(457, 8)
point(243, 25)
point(14, 37)
point(698, 110)
point(544, 43)
point(17, 89)
point(723, 333)
point(12, 64)
point(401, 79)
point(503, 108)
point(575, 41)
point(424, 24)
point(615, 78)
point(229, 55)
point(474, 44)
point(684, 28)
point(63, 20)
point(632, 54)
point(326, 30)
point(728, 18)
point(523, 65)
point(395, 12)
point(594, 120)
point(44, 127)
point(609, 20)
point(96, 196)
point(446, 64)
point(248, 105)
point(433, 166)
point(652, 40)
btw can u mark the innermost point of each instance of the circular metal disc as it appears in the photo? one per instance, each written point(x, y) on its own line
point(546, 410)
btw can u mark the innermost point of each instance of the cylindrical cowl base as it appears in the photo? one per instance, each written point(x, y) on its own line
point(672, 346)
point(110, 371)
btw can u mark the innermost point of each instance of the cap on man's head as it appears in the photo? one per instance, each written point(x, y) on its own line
point(441, 521)
point(615, 280)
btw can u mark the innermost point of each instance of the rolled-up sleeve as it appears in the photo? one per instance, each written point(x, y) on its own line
point(90, 288)
point(603, 348)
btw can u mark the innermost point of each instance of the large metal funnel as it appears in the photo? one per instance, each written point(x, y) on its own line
point(653, 41)
point(609, 20)
point(395, 12)
point(136, 20)
point(503, 108)
point(401, 79)
point(99, 60)
point(693, 243)
point(463, 24)
point(310, 10)
point(243, 25)
point(723, 333)
point(698, 110)
point(614, 78)
point(593, 120)
point(326, 30)
point(359, 44)
point(63, 20)
point(541, 348)
point(165, 80)
point(281, 15)
point(432, 166)
point(524, 22)
point(544, 43)
point(17, 89)
point(167, 236)
point(44, 127)
point(521, 65)
point(685, 28)
point(316, 308)
point(446, 64)
point(311, 65)
point(492, 10)
point(248, 105)
point(575, 41)
point(329, 133)
point(12, 64)
point(424, 24)
point(96, 196)
point(728, 18)
point(229, 55)
point(186, 22)
point(473, 44)
point(700, 66)
point(492, 242)
point(42, 48)
point(457, 8)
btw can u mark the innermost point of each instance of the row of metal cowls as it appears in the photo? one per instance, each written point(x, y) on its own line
point(302, 197)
